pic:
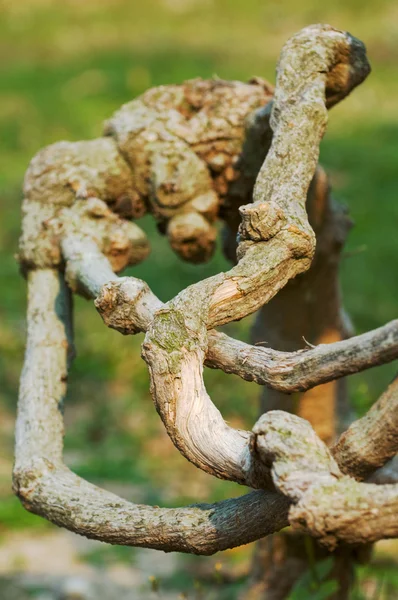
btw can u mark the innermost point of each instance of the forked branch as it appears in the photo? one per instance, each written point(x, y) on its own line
point(128, 305)
point(276, 243)
point(48, 488)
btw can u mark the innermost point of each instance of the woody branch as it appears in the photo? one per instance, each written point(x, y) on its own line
point(276, 243)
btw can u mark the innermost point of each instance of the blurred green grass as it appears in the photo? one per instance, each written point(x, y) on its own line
point(66, 66)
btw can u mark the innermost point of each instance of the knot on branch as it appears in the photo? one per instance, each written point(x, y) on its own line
point(183, 144)
point(175, 153)
point(297, 457)
point(276, 244)
point(125, 305)
point(121, 241)
point(260, 221)
point(69, 188)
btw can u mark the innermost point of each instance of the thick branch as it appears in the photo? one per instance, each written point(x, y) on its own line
point(308, 308)
point(46, 487)
point(326, 503)
point(371, 441)
point(54, 492)
point(299, 371)
point(125, 303)
point(128, 305)
point(276, 244)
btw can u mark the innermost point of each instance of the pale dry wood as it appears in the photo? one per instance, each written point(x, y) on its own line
point(172, 152)
point(72, 183)
point(47, 488)
point(276, 244)
point(299, 462)
point(301, 370)
point(373, 440)
point(128, 305)
point(326, 503)
point(318, 317)
point(308, 308)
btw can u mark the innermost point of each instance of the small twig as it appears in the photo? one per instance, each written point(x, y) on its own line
point(308, 343)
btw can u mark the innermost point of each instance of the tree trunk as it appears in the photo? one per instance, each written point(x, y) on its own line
point(308, 311)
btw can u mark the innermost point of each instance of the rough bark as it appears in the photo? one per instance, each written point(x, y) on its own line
point(301, 370)
point(128, 305)
point(168, 150)
point(46, 487)
point(171, 152)
point(307, 311)
point(297, 456)
point(317, 319)
point(276, 244)
point(371, 441)
point(326, 503)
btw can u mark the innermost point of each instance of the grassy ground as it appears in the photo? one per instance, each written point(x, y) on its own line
point(65, 67)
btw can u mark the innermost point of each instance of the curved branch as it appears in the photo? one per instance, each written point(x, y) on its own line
point(125, 303)
point(276, 244)
point(304, 369)
point(128, 305)
point(46, 487)
point(69, 501)
point(325, 503)
point(373, 440)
